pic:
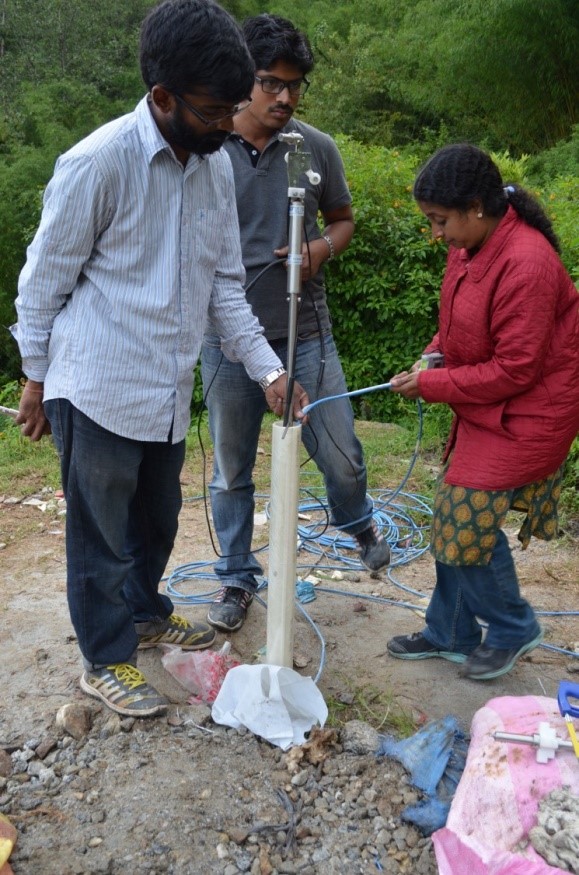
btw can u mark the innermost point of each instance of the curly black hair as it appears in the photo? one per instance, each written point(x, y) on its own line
point(271, 38)
point(191, 44)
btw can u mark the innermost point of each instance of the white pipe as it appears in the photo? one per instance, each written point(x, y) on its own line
point(283, 529)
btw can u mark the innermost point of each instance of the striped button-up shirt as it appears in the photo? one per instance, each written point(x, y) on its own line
point(134, 258)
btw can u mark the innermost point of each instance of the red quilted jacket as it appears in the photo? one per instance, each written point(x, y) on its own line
point(509, 332)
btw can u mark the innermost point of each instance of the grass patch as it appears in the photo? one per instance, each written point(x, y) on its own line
point(376, 707)
point(25, 467)
point(389, 450)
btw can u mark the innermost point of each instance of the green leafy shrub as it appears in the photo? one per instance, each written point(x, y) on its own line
point(383, 291)
point(562, 159)
point(560, 198)
point(570, 492)
point(51, 118)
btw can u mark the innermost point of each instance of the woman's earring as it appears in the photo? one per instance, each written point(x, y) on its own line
point(479, 215)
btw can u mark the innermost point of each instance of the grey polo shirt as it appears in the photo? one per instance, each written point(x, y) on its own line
point(262, 206)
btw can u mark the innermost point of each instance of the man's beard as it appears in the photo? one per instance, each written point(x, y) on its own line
point(181, 135)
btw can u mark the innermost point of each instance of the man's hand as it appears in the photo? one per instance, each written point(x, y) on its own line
point(275, 395)
point(31, 412)
point(313, 256)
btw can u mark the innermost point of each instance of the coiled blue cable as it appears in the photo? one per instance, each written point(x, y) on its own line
point(408, 540)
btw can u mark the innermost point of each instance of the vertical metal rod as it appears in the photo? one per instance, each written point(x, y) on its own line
point(294, 286)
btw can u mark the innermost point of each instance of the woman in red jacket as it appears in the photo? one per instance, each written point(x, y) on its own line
point(507, 363)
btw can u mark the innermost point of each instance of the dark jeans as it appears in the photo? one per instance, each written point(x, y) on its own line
point(123, 499)
point(236, 408)
point(491, 592)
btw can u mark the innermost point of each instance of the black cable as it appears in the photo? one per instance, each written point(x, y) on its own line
point(258, 276)
point(318, 386)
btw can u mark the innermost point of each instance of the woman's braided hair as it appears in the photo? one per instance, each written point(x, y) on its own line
point(458, 175)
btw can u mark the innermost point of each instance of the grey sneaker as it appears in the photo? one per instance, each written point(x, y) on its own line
point(123, 688)
point(416, 646)
point(229, 609)
point(486, 662)
point(175, 630)
point(375, 552)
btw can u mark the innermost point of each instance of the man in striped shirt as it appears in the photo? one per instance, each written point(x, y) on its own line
point(136, 253)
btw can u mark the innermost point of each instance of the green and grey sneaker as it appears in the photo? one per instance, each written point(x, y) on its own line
point(416, 646)
point(177, 631)
point(486, 662)
point(123, 688)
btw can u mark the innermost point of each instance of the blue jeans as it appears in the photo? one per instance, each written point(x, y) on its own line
point(123, 499)
point(490, 592)
point(236, 407)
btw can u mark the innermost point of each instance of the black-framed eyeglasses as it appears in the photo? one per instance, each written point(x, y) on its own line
point(273, 85)
point(207, 120)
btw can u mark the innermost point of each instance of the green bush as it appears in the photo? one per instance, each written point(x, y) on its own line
point(51, 118)
point(560, 198)
point(383, 291)
point(570, 492)
point(562, 159)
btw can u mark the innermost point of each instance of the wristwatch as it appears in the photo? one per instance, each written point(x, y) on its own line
point(270, 378)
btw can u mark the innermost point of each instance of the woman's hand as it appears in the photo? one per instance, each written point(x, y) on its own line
point(406, 383)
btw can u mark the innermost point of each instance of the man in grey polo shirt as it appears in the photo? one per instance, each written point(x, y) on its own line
point(283, 58)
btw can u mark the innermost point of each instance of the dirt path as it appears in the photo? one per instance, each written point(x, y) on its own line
point(40, 661)
point(40, 667)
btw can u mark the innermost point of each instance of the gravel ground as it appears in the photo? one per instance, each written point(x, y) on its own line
point(228, 803)
point(91, 793)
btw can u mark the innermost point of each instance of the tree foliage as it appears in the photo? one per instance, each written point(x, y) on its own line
point(499, 72)
point(383, 290)
point(47, 40)
point(505, 71)
point(398, 77)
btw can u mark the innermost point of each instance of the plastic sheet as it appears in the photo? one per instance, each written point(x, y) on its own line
point(200, 672)
point(497, 800)
point(274, 702)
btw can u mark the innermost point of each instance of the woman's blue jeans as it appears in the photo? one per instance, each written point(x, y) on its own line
point(491, 593)
point(123, 499)
point(236, 407)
